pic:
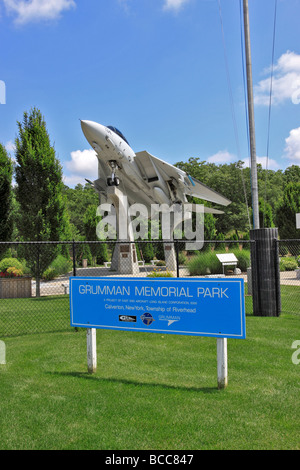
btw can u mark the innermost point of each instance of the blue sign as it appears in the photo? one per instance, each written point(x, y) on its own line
point(184, 306)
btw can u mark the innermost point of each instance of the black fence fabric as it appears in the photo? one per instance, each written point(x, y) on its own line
point(34, 276)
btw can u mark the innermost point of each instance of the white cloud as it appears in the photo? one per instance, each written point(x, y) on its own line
point(266, 163)
point(292, 148)
point(286, 82)
point(222, 157)
point(83, 164)
point(10, 146)
point(174, 4)
point(36, 10)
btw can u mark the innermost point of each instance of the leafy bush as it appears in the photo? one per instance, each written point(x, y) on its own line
point(83, 252)
point(181, 258)
point(160, 263)
point(288, 264)
point(101, 253)
point(208, 263)
point(205, 263)
point(49, 274)
point(243, 257)
point(61, 265)
point(11, 273)
point(147, 251)
point(10, 263)
point(160, 274)
point(283, 250)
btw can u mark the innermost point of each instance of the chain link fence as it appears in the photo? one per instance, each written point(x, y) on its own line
point(34, 276)
point(289, 264)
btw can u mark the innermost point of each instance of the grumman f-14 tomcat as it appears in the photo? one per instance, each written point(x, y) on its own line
point(143, 178)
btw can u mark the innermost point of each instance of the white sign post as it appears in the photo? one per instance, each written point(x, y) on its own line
point(222, 363)
point(91, 350)
point(2, 352)
point(297, 220)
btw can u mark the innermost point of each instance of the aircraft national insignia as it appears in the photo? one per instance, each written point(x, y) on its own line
point(147, 319)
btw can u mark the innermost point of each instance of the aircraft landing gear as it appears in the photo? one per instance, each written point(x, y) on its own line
point(114, 180)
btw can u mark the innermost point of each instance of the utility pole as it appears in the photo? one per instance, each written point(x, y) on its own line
point(254, 184)
point(264, 249)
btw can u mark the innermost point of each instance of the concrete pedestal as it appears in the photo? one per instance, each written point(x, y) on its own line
point(124, 260)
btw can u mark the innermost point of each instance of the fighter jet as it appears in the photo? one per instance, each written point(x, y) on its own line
point(142, 177)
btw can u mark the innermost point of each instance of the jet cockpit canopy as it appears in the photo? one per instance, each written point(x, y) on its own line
point(119, 133)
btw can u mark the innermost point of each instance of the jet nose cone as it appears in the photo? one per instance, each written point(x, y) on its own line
point(94, 132)
point(88, 126)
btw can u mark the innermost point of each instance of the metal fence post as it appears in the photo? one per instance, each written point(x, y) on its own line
point(277, 275)
point(74, 258)
point(177, 258)
point(38, 274)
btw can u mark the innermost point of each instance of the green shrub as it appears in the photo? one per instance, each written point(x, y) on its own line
point(160, 263)
point(205, 263)
point(61, 265)
point(243, 257)
point(83, 252)
point(160, 274)
point(181, 258)
point(10, 263)
point(147, 251)
point(208, 263)
point(49, 274)
point(14, 272)
point(288, 264)
point(101, 253)
point(283, 250)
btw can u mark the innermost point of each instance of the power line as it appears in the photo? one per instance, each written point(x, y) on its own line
point(270, 106)
point(232, 108)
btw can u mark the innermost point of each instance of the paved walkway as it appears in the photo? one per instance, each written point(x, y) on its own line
point(61, 285)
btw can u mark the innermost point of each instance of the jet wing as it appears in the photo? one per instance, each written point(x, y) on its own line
point(189, 185)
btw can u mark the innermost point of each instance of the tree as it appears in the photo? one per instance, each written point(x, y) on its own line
point(292, 174)
point(90, 221)
point(232, 181)
point(286, 212)
point(42, 209)
point(209, 230)
point(265, 214)
point(78, 199)
point(6, 170)
point(220, 246)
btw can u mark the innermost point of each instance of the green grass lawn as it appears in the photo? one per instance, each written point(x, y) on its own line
point(151, 391)
point(42, 314)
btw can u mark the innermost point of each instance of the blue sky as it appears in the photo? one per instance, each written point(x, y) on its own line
point(156, 70)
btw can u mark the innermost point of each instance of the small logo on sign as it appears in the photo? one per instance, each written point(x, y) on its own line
point(127, 318)
point(169, 318)
point(147, 319)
